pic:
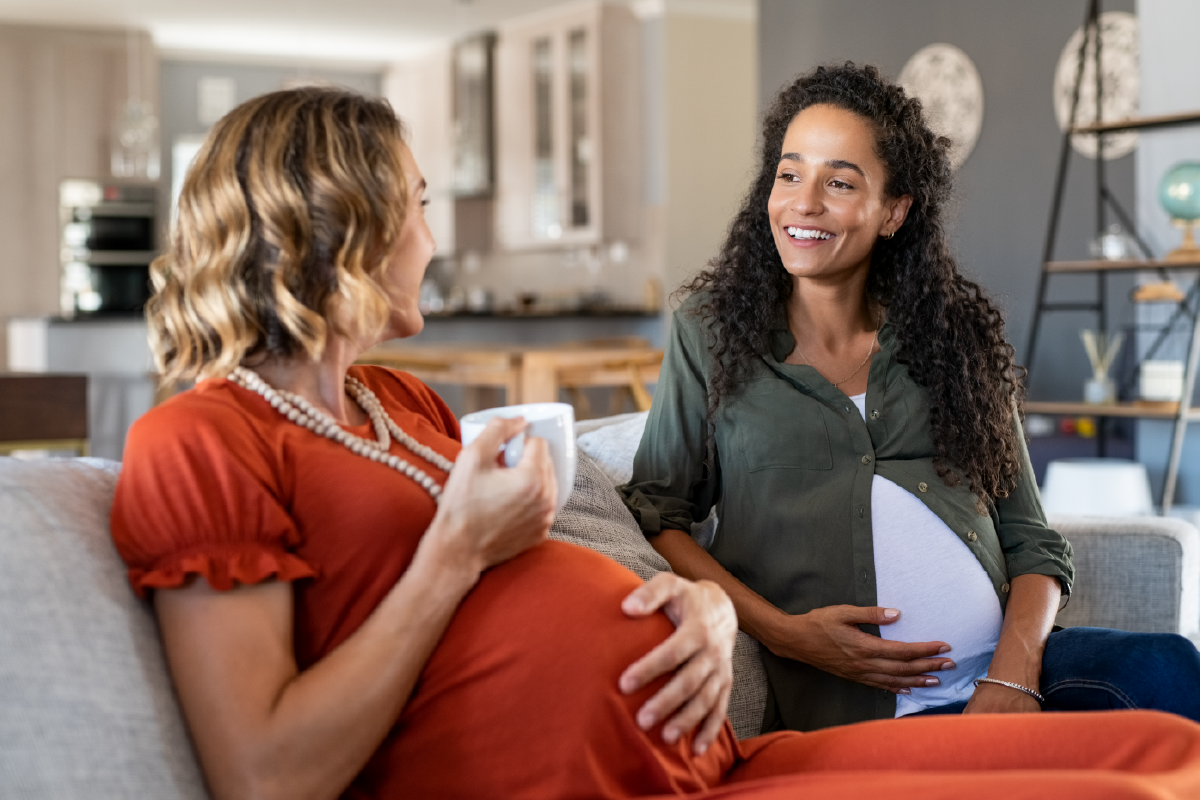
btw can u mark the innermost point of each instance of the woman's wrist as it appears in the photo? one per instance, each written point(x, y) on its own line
point(780, 632)
point(1016, 663)
point(446, 556)
point(1014, 686)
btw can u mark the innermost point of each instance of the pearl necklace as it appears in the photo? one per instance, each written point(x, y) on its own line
point(306, 415)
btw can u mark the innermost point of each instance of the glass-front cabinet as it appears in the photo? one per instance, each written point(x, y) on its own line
point(569, 128)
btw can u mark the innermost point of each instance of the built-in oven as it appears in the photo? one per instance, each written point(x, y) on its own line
point(108, 242)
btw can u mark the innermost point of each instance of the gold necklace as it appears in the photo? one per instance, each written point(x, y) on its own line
point(858, 369)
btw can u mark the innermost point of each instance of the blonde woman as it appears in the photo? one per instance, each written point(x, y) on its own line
point(296, 517)
point(353, 604)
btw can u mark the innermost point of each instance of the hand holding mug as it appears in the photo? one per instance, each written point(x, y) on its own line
point(489, 513)
point(552, 422)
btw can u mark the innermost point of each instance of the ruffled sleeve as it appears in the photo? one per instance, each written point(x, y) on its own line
point(199, 495)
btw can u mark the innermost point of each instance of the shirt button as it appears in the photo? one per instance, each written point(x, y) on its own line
point(861, 509)
point(1004, 588)
point(923, 486)
point(875, 414)
point(847, 409)
point(866, 459)
point(972, 536)
point(864, 576)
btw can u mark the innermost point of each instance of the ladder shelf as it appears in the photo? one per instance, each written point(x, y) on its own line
point(1181, 413)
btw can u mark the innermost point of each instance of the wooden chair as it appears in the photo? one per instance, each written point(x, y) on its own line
point(43, 412)
point(480, 370)
point(624, 364)
point(628, 378)
point(531, 373)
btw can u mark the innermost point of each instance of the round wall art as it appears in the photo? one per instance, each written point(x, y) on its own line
point(1119, 77)
point(945, 80)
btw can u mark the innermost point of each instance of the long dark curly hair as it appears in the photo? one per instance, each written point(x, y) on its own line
point(948, 333)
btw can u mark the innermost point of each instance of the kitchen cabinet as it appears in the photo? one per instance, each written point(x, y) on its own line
point(568, 128)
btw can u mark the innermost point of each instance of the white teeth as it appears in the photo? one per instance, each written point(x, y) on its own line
point(808, 233)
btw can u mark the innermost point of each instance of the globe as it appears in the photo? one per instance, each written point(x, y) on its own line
point(1179, 191)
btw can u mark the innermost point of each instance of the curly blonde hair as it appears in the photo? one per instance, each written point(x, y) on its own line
point(284, 226)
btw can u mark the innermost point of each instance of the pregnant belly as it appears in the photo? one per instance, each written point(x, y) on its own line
point(520, 699)
point(943, 593)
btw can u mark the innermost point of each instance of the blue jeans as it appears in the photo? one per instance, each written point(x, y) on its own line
point(1097, 669)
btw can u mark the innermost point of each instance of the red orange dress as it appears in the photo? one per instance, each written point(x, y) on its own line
point(520, 698)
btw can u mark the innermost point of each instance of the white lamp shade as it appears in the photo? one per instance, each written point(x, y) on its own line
point(1097, 487)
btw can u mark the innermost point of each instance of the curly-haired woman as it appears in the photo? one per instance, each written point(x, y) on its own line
point(848, 401)
point(352, 604)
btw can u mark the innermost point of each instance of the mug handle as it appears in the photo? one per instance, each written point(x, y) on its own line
point(512, 449)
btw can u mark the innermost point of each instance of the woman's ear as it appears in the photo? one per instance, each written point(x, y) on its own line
point(897, 212)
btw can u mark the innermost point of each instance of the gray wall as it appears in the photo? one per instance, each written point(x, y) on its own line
point(1005, 186)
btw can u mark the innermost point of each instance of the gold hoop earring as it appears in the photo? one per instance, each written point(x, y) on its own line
point(889, 236)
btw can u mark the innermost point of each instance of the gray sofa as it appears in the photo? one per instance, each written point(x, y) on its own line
point(86, 707)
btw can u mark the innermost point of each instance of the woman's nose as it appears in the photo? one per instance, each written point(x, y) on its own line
point(807, 199)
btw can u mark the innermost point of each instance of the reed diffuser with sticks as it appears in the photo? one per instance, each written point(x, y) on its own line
point(1102, 351)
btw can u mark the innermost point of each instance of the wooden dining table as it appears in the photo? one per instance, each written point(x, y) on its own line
point(528, 373)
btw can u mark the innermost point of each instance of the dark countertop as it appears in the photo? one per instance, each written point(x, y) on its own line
point(548, 314)
point(613, 312)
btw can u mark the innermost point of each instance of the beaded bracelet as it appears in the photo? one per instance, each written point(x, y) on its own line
point(1041, 700)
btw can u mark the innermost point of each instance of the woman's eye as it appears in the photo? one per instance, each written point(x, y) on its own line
point(424, 202)
point(787, 177)
point(840, 184)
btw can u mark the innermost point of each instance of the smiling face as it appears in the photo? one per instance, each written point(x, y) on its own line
point(410, 255)
point(828, 206)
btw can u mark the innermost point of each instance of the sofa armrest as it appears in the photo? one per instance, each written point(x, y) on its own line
point(86, 704)
point(1137, 574)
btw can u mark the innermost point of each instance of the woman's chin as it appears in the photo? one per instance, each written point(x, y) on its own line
point(402, 325)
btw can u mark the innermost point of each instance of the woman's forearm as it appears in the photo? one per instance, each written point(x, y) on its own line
point(756, 616)
point(274, 731)
point(1032, 605)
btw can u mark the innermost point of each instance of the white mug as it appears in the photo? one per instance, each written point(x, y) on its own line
point(554, 422)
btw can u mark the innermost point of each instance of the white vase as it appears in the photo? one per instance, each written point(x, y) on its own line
point(1099, 391)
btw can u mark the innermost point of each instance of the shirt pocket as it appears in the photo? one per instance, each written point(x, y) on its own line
point(780, 428)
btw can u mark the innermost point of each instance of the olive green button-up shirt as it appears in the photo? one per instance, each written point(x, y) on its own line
point(791, 480)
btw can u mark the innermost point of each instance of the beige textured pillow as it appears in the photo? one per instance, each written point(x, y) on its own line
point(595, 517)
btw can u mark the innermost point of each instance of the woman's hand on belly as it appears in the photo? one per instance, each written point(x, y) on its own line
point(700, 653)
point(829, 639)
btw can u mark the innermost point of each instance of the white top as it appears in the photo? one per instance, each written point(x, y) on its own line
point(943, 593)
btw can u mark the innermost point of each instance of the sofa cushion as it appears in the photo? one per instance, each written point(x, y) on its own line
point(86, 704)
point(1133, 573)
point(595, 517)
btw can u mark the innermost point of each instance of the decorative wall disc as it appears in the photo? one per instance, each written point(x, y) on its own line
point(945, 80)
point(1119, 78)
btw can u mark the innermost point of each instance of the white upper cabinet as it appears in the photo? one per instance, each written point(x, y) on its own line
point(568, 128)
